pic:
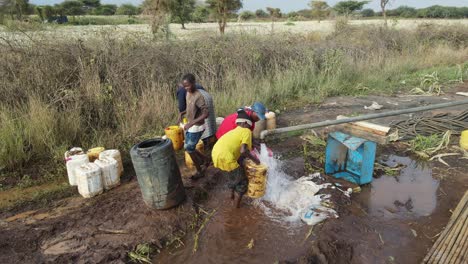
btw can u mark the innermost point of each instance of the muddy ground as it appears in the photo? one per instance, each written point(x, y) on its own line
point(374, 226)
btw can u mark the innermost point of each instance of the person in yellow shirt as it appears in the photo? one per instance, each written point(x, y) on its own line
point(229, 153)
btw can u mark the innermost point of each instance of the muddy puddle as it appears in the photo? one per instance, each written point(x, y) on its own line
point(409, 192)
point(261, 231)
point(245, 235)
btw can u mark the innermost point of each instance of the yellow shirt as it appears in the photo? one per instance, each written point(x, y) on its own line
point(226, 151)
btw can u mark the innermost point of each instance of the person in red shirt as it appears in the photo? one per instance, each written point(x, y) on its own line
point(256, 112)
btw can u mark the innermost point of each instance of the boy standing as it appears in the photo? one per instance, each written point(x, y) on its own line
point(196, 111)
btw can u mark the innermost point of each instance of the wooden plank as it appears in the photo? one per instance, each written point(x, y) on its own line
point(345, 128)
point(367, 126)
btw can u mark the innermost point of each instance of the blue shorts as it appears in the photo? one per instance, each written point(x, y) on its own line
point(191, 141)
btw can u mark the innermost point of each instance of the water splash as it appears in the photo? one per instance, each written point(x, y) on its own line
point(287, 199)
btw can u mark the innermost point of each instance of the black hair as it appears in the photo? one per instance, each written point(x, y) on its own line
point(189, 77)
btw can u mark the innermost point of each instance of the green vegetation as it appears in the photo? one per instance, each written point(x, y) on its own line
point(115, 92)
point(425, 146)
point(141, 254)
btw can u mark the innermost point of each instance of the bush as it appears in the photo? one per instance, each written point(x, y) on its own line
point(260, 13)
point(368, 12)
point(246, 15)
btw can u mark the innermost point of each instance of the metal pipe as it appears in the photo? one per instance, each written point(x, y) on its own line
point(266, 133)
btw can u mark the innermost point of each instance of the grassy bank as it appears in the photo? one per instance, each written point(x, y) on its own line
point(115, 92)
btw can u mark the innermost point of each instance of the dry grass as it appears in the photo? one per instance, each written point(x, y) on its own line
point(114, 92)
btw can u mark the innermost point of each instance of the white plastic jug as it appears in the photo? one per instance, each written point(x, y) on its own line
point(110, 172)
point(115, 154)
point(74, 162)
point(89, 180)
point(73, 151)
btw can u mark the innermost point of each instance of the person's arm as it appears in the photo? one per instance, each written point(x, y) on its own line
point(245, 152)
point(181, 114)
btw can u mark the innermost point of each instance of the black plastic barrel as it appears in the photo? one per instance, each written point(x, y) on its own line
point(158, 173)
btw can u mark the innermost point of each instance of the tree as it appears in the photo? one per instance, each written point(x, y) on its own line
point(383, 5)
point(89, 4)
point(73, 8)
point(320, 9)
point(246, 15)
point(127, 9)
point(260, 13)
point(348, 7)
point(49, 12)
point(274, 13)
point(105, 10)
point(182, 10)
point(158, 10)
point(222, 9)
point(14, 7)
point(40, 12)
point(200, 14)
point(368, 12)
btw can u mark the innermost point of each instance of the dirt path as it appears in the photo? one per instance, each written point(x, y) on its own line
point(372, 227)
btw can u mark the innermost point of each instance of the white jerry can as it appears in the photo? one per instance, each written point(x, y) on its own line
point(72, 163)
point(110, 172)
point(89, 180)
point(113, 153)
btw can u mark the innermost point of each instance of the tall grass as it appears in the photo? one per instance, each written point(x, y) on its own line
point(115, 92)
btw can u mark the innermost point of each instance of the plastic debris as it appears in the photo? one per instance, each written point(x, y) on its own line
point(316, 214)
point(374, 106)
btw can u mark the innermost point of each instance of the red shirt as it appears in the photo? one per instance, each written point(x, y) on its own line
point(229, 123)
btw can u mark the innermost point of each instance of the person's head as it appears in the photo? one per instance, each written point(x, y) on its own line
point(188, 82)
point(243, 120)
point(259, 111)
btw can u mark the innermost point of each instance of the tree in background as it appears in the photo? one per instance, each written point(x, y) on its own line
point(105, 10)
point(181, 11)
point(16, 8)
point(275, 13)
point(127, 9)
point(158, 10)
point(73, 8)
point(320, 9)
point(200, 14)
point(368, 12)
point(222, 9)
point(49, 12)
point(91, 3)
point(346, 8)
point(246, 15)
point(40, 12)
point(260, 13)
point(306, 13)
point(383, 6)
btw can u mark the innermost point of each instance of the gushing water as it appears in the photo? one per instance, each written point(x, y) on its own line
point(287, 199)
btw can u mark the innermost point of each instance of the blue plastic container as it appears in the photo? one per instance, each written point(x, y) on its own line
point(350, 158)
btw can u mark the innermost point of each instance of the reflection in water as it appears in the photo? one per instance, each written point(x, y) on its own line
point(413, 192)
